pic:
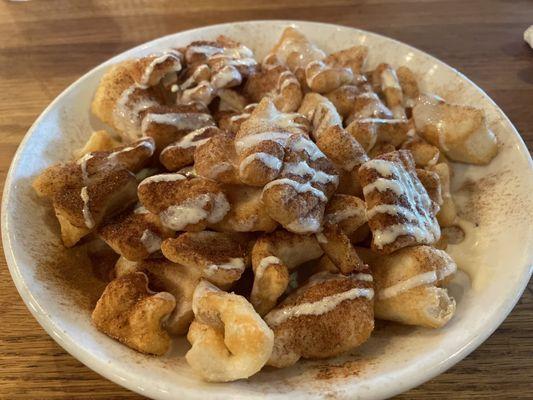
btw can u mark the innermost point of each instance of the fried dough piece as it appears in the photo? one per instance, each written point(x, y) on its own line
point(460, 132)
point(220, 257)
point(134, 235)
point(322, 77)
point(328, 316)
point(368, 105)
point(76, 173)
point(336, 245)
point(346, 212)
point(216, 159)
point(278, 83)
point(385, 77)
point(400, 211)
point(372, 131)
point(247, 213)
point(164, 275)
point(180, 154)
point(229, 339)
point(273, 256)
point(447, 214)
point(128, 312)
point(261, 141)
point(408, 285)
point(343, 98)
point(409, 85)
point(79, 210)
point(424, 154)
point(295, 51)
point(183, 203)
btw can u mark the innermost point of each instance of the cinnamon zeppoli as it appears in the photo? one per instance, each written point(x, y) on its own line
point(408, 285)
point(331, 314)
point(400, 211)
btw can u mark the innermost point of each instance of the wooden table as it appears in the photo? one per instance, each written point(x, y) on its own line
point(46, 45)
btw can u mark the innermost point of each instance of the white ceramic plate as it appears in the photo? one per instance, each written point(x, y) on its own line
point(497, 253)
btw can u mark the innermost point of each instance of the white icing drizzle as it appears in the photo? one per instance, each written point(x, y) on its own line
point(87, 216)
point(189, 140)
point(219, 168)
point(191, 211)
point(342, 215)
point(171, 177)
point(254, 139)
point(381, 185)
point(320, 307)
point(306, 51)
point(141, 143)
point(126, 115)
point(372, 108)
point(285, 79)
point(325, 276)
point(264, 263)
point(421, 222)
point(181, 121)
point(82, 162)
point(304, 225)
point(268, 161)
point(219, 209)
point(392, 209)
point(233, 263)
point(302, 169)
point(312, 70)
point(426, 278)
point(299, 187)
point(191, 80)
point(159, 60)
point(225, 76)
point(151, 241)
point(389, 80)
point(235, 118)
point(310, 147)
point(206, 50)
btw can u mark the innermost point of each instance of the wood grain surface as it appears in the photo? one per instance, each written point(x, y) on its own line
point(46, 45)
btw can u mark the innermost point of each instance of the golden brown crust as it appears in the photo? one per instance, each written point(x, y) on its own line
point(130, 313)
point(221, 257)
point(135, 236)
point(278, 83)
point(273, 256)
point(328, 334)
point(182, 203)
point(181, 153)
point(407, 285)
point(406, 195)
point(247, 213)
point(164, 275)
point(105, 196)
point(460, 132)
point(168, 124)
point(229, 340)
point(216, 159)
point(337, 246)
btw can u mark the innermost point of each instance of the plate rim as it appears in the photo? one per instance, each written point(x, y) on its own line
point(97, 365)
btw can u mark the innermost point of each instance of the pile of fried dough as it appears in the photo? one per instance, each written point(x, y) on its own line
point(271, 210)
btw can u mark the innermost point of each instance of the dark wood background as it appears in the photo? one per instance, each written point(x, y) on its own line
point(46, 45)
